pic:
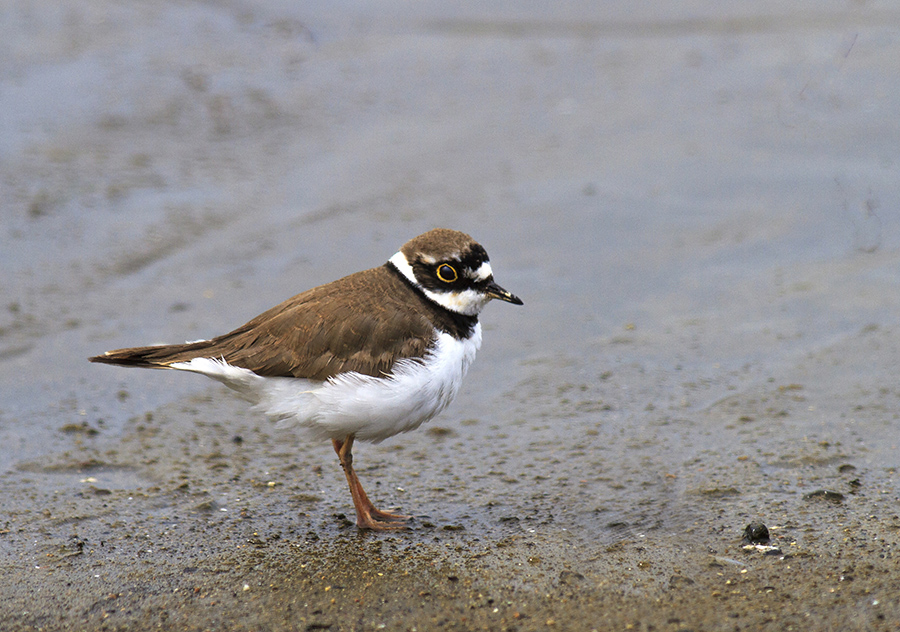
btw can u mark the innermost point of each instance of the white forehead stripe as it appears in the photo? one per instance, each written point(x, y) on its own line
point(483, 272)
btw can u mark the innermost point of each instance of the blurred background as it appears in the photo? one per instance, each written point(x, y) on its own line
point(697, 201)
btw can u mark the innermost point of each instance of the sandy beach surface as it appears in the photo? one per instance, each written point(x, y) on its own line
point(699, 204)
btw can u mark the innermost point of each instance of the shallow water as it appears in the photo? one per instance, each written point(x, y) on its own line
point(716, 195)
point(698, 205)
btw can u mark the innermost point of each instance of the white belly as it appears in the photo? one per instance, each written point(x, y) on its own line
point(371, 408)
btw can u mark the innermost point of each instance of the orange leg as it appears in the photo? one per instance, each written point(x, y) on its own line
point(367, 516)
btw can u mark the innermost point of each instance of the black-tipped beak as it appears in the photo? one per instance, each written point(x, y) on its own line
point(495, 291)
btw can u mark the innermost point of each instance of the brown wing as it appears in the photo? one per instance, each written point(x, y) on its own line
point(364, 322)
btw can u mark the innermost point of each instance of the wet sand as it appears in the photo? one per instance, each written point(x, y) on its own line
point(698, 208)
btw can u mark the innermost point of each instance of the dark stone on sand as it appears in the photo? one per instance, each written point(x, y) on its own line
point(570, 577)
point(756, 533)
point(825, 494)
point(678, 581)
point(207, 506)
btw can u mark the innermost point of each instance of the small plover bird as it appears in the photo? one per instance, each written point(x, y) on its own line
point(365, 357)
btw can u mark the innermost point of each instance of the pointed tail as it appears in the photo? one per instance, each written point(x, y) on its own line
point(157, 357)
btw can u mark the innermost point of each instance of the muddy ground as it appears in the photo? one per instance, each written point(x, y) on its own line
point(200, 516)
point(698, 205)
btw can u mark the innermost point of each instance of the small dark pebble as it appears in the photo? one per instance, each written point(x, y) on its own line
point(846, 467)
point(720, 492)
point(304, 498)
point(570, 577)
point(207, 506)
point(825, 494)
point(237, 439)
point(855, 484)
point(453, 527)
point(756, 533)
point(82, 428)
point(91, 464)
point(676, 581)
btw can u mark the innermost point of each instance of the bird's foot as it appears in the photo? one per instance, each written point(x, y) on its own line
point(377, 520)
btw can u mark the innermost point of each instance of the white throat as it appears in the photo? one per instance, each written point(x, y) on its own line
point(468, 302)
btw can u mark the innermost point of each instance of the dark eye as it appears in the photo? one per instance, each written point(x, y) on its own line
point(447, 273)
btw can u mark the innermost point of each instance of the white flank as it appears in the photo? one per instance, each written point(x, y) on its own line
point(372, 408)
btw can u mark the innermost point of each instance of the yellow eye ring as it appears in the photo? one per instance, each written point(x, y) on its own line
point(446, 273)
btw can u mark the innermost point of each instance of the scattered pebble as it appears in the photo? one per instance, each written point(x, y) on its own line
point(206, 506)
point(756, 533)
point(765, 549)
point(82, 428)
point(570, 577)
point(825, 494)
